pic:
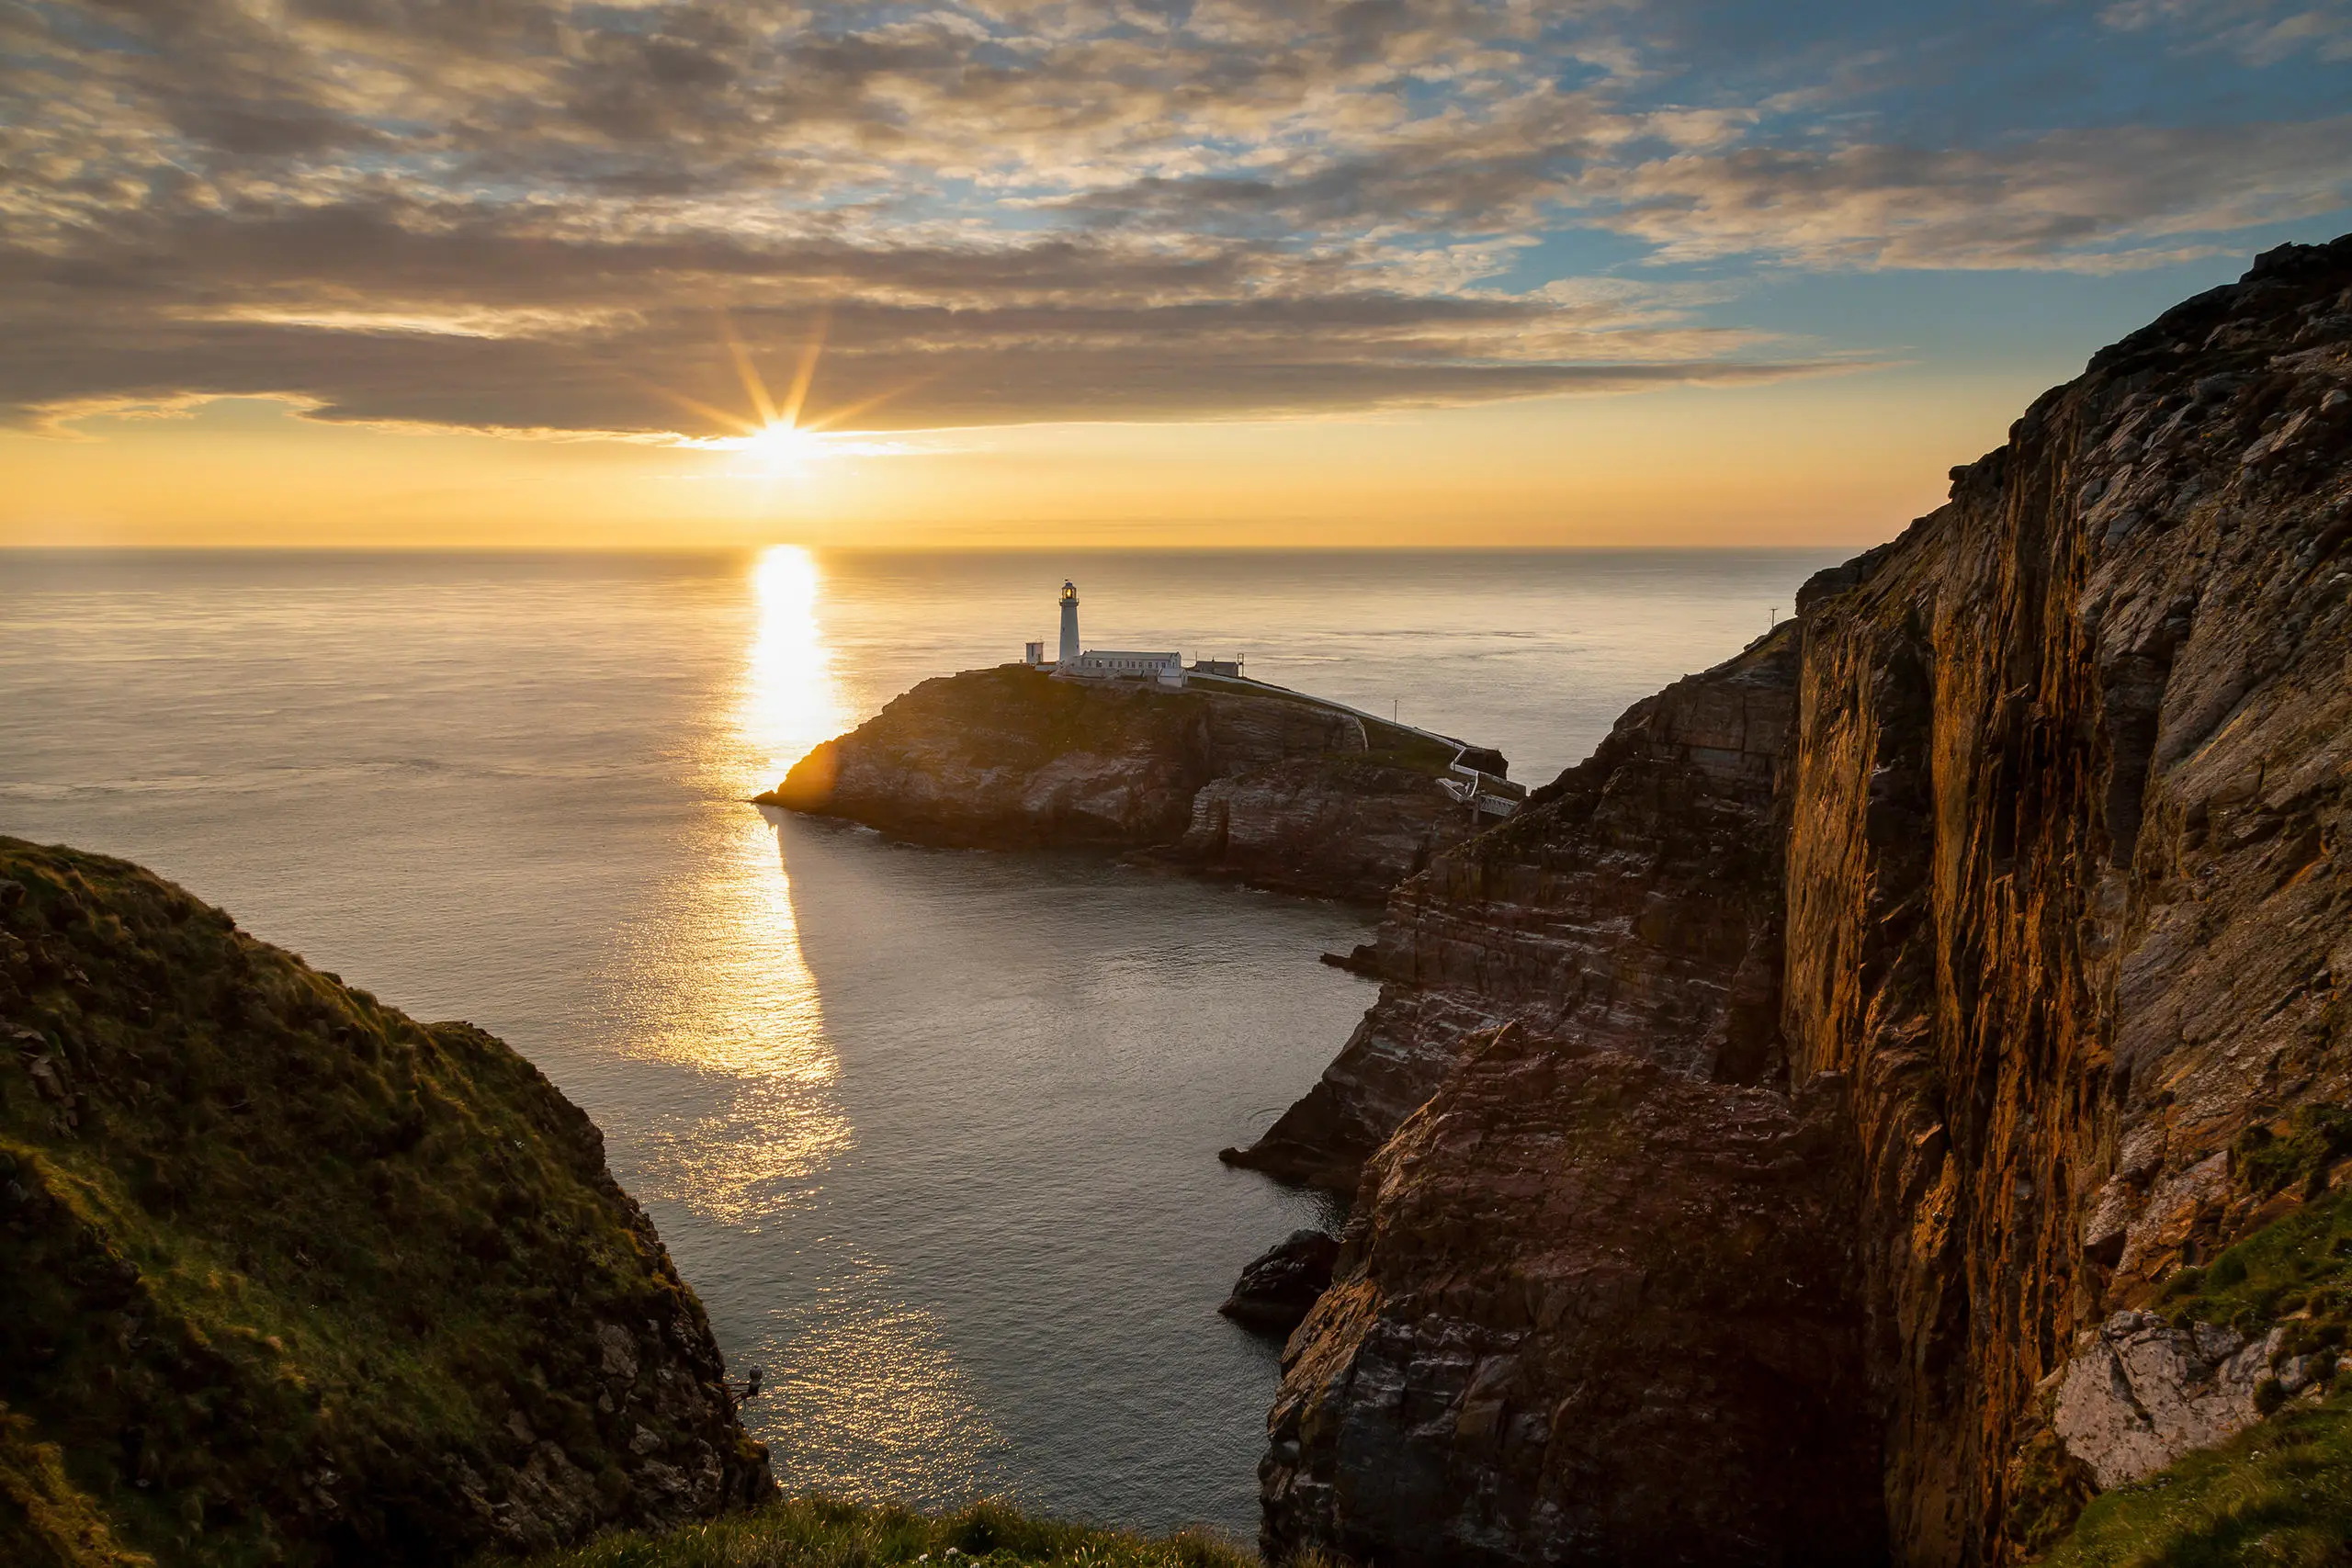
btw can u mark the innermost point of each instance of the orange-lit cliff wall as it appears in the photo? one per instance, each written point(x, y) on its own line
point(2044, 809)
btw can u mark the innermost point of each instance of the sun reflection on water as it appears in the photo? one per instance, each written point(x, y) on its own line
point(870, 1399)
point(789, 699)
point(742, 1006)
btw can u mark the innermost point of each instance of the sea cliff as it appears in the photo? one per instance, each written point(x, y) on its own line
point(1634, 902)
point(1812, 1130)
point(293, 1278)
point(1260, 785)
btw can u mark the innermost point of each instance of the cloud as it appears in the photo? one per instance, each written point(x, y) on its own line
point(535, 214)
point(2260, 32)
point(2096, 201)
point(369, 317)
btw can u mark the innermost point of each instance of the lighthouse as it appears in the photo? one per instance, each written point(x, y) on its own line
point(1069, 623)
point(1102, 663)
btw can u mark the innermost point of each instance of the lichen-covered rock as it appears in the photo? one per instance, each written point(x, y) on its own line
point(1274, 790)
point(2139, 1393)
point(2025, 843)
point(290, 1277)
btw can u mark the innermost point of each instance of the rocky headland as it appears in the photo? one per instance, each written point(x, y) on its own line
point(1900, 1087)
point(1633, 901)
point(291, 1278)
point(1258, 785)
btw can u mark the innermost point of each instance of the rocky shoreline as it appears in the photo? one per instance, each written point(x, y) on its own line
point(1815, 1129)
point(1258, 785)
point(1279, 1286)
point(1632, 902)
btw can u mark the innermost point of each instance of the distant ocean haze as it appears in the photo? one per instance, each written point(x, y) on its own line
point(933, 1134)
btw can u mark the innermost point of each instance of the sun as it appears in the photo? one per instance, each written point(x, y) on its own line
point(780, 443)
point(779, 447)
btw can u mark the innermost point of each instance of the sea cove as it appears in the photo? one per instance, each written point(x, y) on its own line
point(933, 1134)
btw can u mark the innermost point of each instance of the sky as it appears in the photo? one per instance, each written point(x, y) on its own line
point(1124, 272)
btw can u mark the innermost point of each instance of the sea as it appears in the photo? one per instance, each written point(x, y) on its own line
point(934, 1134)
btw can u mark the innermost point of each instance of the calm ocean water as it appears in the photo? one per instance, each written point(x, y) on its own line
point(933, 1134)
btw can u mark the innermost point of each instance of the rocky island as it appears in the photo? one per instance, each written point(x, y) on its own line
point(1899, 1090)
point(1224, 777)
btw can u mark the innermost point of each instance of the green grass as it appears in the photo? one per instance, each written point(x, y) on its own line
point(45, 1520)
point(2316, 1137)
point(1392, 744)
point(2281, 1490)
point(285, 1269)
point(820, 1532)
point(2299, 1264)
point(2279, 1493)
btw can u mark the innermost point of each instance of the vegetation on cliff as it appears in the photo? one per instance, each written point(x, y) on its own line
point(292, 1278)
point(2296, 1271)
point(2286, 1289)
point(2279, 1493)
point(2281, 1490)
point(819, 1533)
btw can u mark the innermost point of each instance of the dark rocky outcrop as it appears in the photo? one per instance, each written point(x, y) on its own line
point(1271, 789)
point(289, 1277)
point(1278, 1285)
point(1967, 959)
point(1635, 903)
point(1592, 1310)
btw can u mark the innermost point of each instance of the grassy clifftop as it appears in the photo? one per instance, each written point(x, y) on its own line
point(1228, 778)
point(293, 1278)
point(817, 1532)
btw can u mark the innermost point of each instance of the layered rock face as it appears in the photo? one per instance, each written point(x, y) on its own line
point(1278, 792)
point(1633, 904)
point(292, 1278)
point(2023, 878)
point(1337, 823)
point(2069, 797)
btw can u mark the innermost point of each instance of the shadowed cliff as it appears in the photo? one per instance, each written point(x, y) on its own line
point(2011, 875)
point(291, 1278)
point(1634, 902)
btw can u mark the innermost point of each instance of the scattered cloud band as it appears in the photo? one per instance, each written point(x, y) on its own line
point(552, 215)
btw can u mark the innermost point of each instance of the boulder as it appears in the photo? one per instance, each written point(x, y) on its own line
point(1278, 1287)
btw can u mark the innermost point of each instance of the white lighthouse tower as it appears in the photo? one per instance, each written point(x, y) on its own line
point(1069, 623)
